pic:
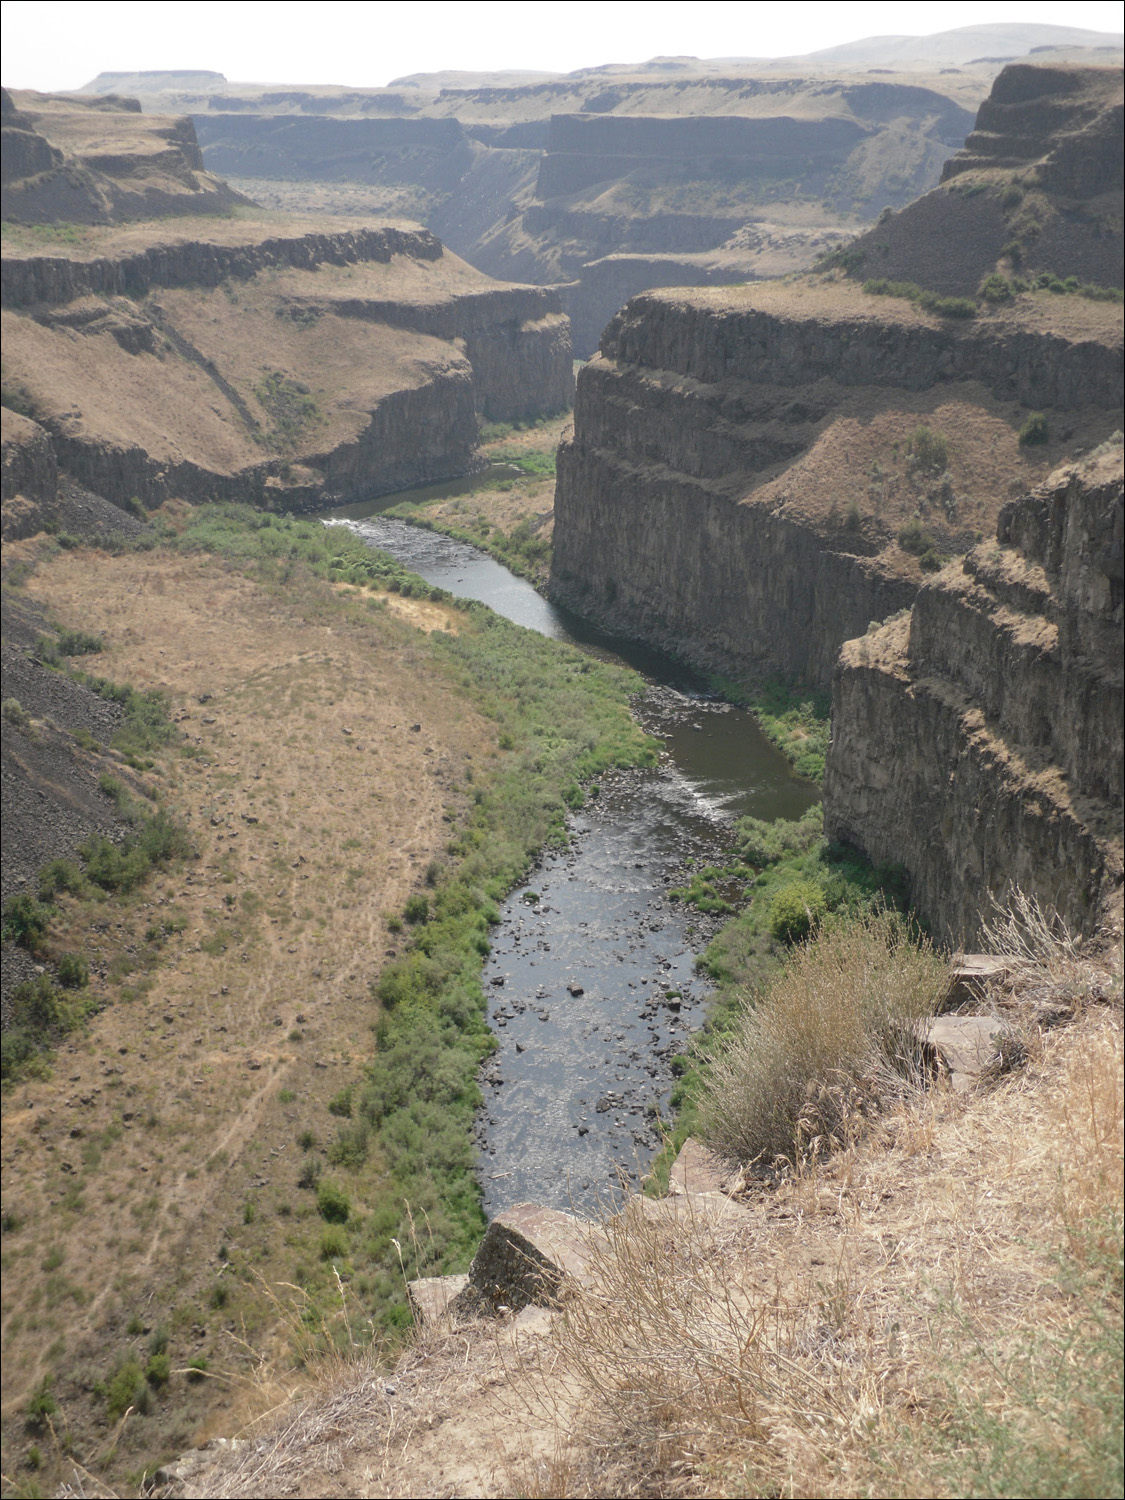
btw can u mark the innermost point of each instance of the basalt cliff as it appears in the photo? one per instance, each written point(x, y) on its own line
point(747, 470)
point(293, 368)
point(977, 739)
point(757, 473)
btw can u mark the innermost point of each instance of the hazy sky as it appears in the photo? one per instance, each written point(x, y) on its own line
point(57, 45)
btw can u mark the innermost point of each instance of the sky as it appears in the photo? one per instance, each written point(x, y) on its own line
point(56, 45)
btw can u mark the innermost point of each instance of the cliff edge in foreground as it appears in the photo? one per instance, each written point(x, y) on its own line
point(977, 740)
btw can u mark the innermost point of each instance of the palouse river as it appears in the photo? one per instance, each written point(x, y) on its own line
point(592, 986)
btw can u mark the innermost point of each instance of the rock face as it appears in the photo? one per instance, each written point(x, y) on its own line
point(1036, 188)
point(689, 510)
point(978, 740)
point(546, 181)
point(99, 161)
point(26, 280)
point(291, 371)
point(29, 466)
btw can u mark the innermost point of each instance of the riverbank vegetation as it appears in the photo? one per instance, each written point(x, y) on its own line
point(560, 719)
point(786, 882)
point(933, 1306)
point(276, 1080)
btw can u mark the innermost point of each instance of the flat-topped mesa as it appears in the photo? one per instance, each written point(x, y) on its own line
point(978, 740)
point(744, 464)
point(293, 370)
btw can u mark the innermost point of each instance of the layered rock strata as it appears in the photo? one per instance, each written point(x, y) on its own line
point(293, 371)
point(1037, 187)
point(687, 512)
point(977, 740)
point(98, 161)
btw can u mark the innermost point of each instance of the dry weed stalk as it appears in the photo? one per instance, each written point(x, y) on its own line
point(811, 1057)
point(1047, 966)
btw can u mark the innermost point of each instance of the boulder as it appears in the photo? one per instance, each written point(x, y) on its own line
point(431, 1297)
point(526, 1257)
point(696, 1170)
point(967, 1046)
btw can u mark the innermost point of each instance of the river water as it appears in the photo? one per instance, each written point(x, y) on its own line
point(591, 980)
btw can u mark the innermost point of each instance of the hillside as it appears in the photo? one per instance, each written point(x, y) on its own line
point(1036, 189)
point(268, 360)
point(744, 460)
point(98, 161)
point(612, 180)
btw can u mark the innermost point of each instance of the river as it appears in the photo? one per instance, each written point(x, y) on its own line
point(591, 979)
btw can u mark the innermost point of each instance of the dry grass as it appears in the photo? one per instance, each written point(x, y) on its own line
point(808, 1059)
point(171, 1128)
point(895, 1323)
point(933, 1310)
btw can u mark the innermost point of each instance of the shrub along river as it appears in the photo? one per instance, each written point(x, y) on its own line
point(591, 980)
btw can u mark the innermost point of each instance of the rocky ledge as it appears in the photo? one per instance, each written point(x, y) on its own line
point(977, 739)
point(724, 493)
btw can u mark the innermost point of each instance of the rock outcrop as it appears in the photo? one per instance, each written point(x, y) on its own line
point(725, 494)
point(293, 371)
point(544, 181)
point(100, 161)
point(1036, 188)
point(977, 740)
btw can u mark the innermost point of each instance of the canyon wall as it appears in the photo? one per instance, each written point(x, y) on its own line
point(725, 494)
point(295, 371)
point(542, 181)
point(977, 740)
point(1037, 187)
point(100, 161)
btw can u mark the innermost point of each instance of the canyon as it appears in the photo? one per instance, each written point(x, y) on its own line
point(613, 180)
point(290, 365)
point(827, 478)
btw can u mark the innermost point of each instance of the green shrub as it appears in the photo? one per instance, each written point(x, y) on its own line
point(332, 1203)
point(1034, 430)
point(995, 288)
point(915, 539)
point(25, 921)
point(41, 1405)
point(931, 561)
point(803, 1061)
point(341, 1104)
point(797, 910)
point(14, 713)
point(946, 307)
point(417, 909)
point(58, 876)
point(309, 1174)
point(762, 843)
point(333, 1243)
point(197, 1367)
point(349, 1149)
point(73, 971)
point(928, 451)
point(124, 1389)
point(158, 1370)
point(79, 643)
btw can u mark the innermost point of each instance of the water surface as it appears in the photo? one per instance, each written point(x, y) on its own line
point(591, 981)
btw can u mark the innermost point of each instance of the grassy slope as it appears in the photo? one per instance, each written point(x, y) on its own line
point(323, 821)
